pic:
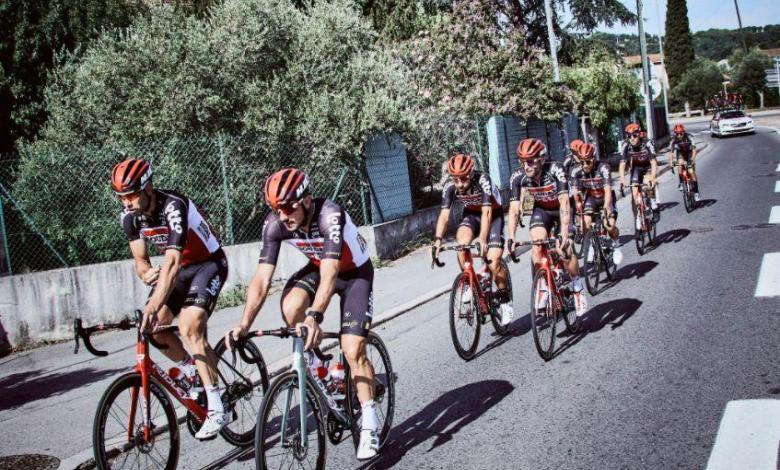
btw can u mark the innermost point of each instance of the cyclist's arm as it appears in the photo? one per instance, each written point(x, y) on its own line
point(332, 221)
point(484, 224)
point(329, 271)
point(565, 214)
point(622, 171)
point(441, 223)
point(141, 257)
point(694, 152)
point(169, 269)
point(256, 293)
point(515, 212)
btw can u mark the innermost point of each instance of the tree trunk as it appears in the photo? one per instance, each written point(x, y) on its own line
point(761, 99)
point(584, 128)
point(687, 109)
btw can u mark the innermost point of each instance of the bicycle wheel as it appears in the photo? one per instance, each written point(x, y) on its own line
point(543, 316)
point(592, 264)
point(606, 258)
point(384, 390)
point(278, 432)
point(464, 318)
point(687, 197)
point(639, 235)
point(243, 401)
point(495, 313)
point(122, 409)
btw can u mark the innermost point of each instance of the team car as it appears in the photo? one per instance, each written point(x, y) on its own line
point(731, 122)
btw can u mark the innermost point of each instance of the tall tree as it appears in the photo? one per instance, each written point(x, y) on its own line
point(748, 73)
point(702, 80)
point(678, 46)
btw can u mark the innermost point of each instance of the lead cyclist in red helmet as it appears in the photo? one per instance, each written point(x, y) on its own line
point(684, 153)
point(549, 187)
point(639, 155)
point(188, 282)
point(338, 263)
point(483, 218)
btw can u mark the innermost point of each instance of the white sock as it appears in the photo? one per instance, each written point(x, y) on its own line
point(213, 396)
point(187, 365)
point(370, 420)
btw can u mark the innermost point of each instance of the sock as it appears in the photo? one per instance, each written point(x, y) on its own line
point(214, 398)
point(187, 365)
point(370, 420)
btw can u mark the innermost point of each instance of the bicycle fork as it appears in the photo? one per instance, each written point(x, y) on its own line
point(300, 369)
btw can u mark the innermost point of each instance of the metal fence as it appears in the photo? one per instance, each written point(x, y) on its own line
point(59, 210)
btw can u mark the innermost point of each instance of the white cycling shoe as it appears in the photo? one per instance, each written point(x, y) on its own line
point(214, 423)
point(617, 255)
point(580, 301)
point(465, 297)
point(542, 296)
point(696, 197)
point(507, 313)
point(369, 445)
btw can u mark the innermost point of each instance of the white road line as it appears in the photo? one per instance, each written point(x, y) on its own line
point(768, 284)
point(778, 167)
point(777, 186)
point(774, 216)
point(747, 436)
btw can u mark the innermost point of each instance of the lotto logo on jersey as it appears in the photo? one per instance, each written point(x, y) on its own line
point(173, 216)
point(334, 228)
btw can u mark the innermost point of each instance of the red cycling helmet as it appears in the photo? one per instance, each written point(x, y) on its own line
point(575, 145)
point(587, 152)
point(285, 186)
point(633, 128)
point(130, 176)
point(460, 164)
point(529, 149)
point(679, 129)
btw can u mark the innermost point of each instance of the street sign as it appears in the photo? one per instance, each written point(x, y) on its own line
point(655, 88)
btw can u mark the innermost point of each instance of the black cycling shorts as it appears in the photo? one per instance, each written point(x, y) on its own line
point(547, 218)
point(594, 204)
point(638, 173)
point(354, 287)
point(199, 284)
point(496, 232)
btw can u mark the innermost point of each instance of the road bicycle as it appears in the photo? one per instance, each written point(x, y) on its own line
point(300, 409)
point(578, 236)
point(136, 424)
point(552, 297)
point(644, 235)
point(687, 186)
point(473, 299)
point(597, 248)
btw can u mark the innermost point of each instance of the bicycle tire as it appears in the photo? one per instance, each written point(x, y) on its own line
point(609, 263)
point(495, 315)
point(545, 323)
point(469, 314)
point(234, 433)
point(264, 430)
point(639, 236)
point(104, 456)
point(385, 403)
point(687, 197)
point(593, 267)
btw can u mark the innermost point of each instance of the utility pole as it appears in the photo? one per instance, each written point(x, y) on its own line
point(741, 33)
point(645, 73)
point(663, 63)
point(551, 36)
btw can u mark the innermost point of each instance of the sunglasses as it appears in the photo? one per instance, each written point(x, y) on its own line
point(288, 208)
point(635, 134)
point(531, 163)
point(461, 179)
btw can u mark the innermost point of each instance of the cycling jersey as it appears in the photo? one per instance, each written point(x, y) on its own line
point(638, 156)
point(481, 193)
point(177, 224)
point(594, 182)
point(544, 188)
point(683, 146)
point(332, 235)
point(570, 166)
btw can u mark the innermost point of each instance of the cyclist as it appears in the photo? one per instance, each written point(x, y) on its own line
point(338, 263)
point(684, 153)
point(188, 281)
point(549, 187)
point(483, 218)
point(593, 179)
point(639, 155)
point(570, 164)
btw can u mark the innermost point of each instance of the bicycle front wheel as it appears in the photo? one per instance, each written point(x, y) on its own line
point(118, 437)
point(687, 197)
point(639, 235)
point(384, 390)
point(592, 265)
point(543, 315)
point(279, 434)
point(243, 399)
point(464, 317)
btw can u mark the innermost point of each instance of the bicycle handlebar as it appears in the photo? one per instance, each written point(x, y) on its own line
point(84, 334)
point(476, 246)
point(286, 332)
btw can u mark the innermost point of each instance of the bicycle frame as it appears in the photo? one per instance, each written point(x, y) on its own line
point(548, 263)
point(468, 270)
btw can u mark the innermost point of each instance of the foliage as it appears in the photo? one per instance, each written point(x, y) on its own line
point(32, 35)
point(678, 49)
point(748, 71)
point(397, 20)
point(603, 89)
point(702, 80)
point(718, 44)
point(471, 64)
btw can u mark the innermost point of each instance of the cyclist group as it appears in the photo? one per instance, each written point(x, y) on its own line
point(194, 266)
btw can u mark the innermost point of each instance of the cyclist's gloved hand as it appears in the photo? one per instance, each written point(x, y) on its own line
point(435, 248)
point(510, 245)
point(151, 275)
point(315, 332)
point(233, 335)
point(149, 320)
point(483, 248)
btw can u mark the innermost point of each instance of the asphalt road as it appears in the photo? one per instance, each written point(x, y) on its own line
point(645, 385)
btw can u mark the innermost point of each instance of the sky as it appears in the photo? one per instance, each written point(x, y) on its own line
point(705, 14)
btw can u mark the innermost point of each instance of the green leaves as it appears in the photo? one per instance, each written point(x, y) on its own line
point(702, 80)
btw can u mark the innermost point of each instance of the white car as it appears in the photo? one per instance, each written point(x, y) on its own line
point(731, 122)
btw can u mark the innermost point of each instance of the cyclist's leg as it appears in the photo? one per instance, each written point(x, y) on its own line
point(174, 348)
point(538, 230)
point(467, 230)
point(587, 210)
point(496, 249)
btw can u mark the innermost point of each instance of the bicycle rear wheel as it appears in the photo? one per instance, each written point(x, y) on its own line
point(543, 315)
point(120, 410)
point(495, 313)
point(384, 390)
point(592, 265)
point(278, 432)
point(464, 318)
point(607, 259)
point(243, 401)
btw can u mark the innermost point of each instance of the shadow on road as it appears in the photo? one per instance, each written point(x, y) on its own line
point(705, 203)
point(672, 236)
point(614, 313)
point(667, 205)
point(637, 270)
point(518, 327)
point(20, 389)
point(441, 419)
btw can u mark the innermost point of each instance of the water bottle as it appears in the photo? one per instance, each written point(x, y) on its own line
point(484, 281)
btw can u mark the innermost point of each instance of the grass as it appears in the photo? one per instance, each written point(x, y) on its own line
point(233, 297)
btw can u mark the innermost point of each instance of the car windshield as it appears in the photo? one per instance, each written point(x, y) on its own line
point(732, 115)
